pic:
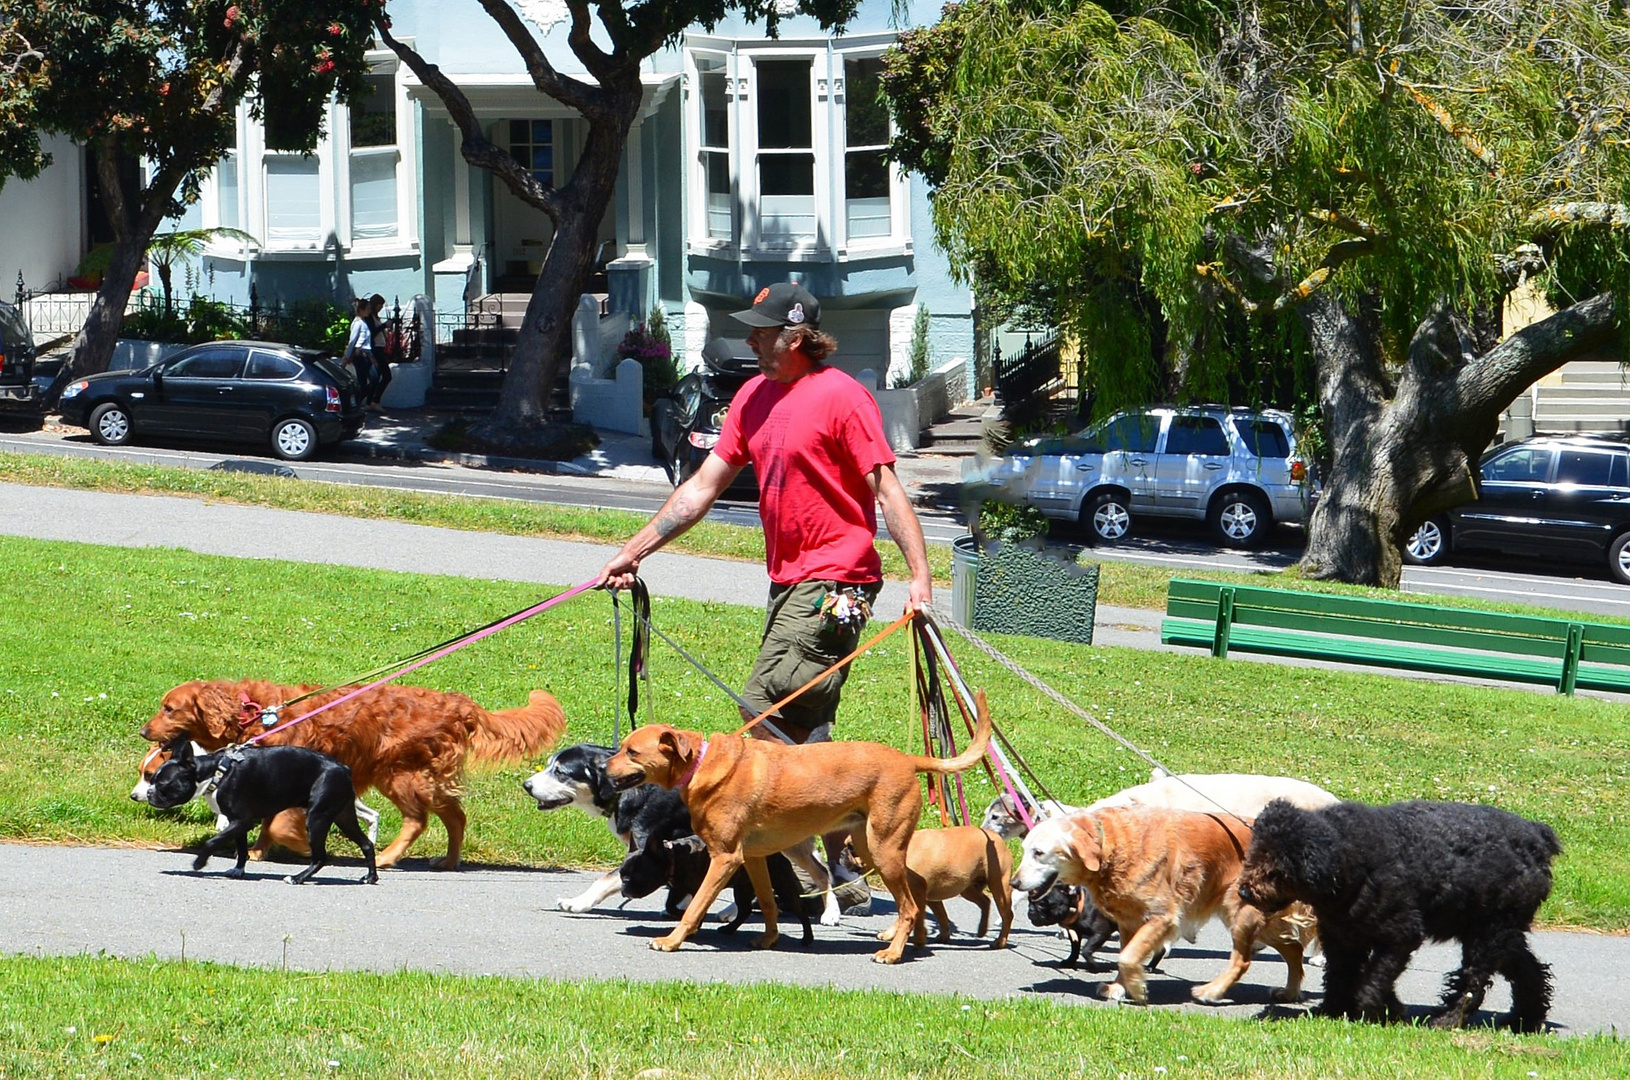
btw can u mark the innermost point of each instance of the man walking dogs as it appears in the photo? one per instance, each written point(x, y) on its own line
point(815, 439)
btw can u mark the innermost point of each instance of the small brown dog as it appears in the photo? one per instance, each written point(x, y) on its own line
point(1158, 874)
point(965, 861)
point(749, 798)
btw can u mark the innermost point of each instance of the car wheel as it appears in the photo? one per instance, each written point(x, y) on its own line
point(294, 439)
point(1106, 518)
point(110, 424)
point(1429, 544)
point(1240, 518)
point(1618, 558)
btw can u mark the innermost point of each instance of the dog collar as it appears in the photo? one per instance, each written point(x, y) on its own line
point(690, 772)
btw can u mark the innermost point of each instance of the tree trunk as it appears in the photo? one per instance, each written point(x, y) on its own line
point(93, 347)
point(1398, 460)
point(544, 343)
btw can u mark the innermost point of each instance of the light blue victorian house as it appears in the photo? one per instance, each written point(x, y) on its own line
point(753, 160)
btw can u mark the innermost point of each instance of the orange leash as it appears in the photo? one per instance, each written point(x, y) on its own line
point(885, 632)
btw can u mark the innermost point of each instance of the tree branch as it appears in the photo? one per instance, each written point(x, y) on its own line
point(1447, 121)
point(1550, 218)
point(1340, 253)
point(1495, 379)
point(586, 99)
point(478, 150)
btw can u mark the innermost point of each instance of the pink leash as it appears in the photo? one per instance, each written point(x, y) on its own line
point(470, 640)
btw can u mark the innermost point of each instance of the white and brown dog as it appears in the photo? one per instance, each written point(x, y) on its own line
point(1159, 874)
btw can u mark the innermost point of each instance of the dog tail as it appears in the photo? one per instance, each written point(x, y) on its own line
point(508, 734)
point(968, 757)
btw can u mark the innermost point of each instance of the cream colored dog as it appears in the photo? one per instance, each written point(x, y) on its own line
point(1158, 874)
point(1243, 794)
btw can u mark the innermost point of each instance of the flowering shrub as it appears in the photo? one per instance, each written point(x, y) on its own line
point(650, 345)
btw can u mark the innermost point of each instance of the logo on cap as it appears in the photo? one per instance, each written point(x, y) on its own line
point(762, 293)
point(796, 314)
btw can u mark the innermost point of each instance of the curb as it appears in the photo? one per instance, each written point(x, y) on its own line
point(375, 452)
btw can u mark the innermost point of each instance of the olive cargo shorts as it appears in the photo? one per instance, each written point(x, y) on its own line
point(799, 643)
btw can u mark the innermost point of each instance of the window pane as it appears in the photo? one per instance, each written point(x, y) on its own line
point(720, 219)
point(1196, 435)
point(373, 113)
point(715, 105)
point(1584, 467)
point(265, 365)
point(293, 200)
point(1135, 433)
point(519, 132)
point(783, 104)
point(531, 142)
point(787, 174)
point(867, 118)
point(373, 195)
point(226, 188)
point(208, 364)
point(1525, 465)
point(1264, 438)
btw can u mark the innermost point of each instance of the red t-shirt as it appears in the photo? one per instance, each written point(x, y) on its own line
point(813, 444)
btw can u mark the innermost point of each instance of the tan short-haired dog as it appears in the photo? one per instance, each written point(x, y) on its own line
point(1158, 874)
point(749, 798)
point(965, 861)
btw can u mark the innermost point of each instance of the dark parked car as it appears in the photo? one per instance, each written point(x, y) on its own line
point(290, 400)
point(18, 385)
point(685, 421)
point(1553, 499)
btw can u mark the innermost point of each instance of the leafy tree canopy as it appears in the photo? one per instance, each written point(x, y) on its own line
point(1231, 156)
point(162, 80)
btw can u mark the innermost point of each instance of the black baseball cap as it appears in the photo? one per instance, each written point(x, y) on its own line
point(785, 303)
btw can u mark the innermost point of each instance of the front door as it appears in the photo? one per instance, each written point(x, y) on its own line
point(1506, 515)
point(194, 395)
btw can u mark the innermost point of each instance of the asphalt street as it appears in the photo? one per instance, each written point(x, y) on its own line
point(64, 900)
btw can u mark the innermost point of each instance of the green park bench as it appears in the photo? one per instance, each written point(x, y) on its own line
point(1563, 653)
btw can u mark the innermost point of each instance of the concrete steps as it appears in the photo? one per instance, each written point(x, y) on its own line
point(1583, 396)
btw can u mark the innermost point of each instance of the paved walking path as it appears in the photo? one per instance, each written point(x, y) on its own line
point(502, 921)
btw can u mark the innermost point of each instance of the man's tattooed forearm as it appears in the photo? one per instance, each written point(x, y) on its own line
point(674, 519)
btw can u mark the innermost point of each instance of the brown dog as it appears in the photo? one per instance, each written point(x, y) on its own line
point(965, 861)
point(1158, 874)
point(749, 798)
point(408, 741)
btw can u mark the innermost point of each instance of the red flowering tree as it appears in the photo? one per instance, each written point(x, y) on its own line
point(161, 82)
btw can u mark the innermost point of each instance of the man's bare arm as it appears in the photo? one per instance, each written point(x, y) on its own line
point(907, 531)
point(689, 503)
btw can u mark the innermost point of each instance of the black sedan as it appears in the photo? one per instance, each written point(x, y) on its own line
point(1550, 499)
point(685, 422)
point(290, 400)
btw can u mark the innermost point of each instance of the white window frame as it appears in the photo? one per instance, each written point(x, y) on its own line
point(333, 153)
point(828, 136)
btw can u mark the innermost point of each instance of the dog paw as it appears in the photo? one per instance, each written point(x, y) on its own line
point(446, 862)
point(235, 872)
point(766, 941)
point(1112, 991)
point(728, 914)
point(577, 905)
point(1285, 996)
point(1315, 960)
point(369, 879)
point(200, 862)
point(1210, 994)
point(831, 915)
point(667, 944)
point(885, 956)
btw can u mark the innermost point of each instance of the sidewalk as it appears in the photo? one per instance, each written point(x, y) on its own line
point(404, 434)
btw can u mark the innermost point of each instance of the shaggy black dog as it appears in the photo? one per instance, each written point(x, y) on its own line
point(1384, 879)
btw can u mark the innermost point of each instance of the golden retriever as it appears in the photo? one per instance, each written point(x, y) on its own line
point(1158, 874)
point(409, 742)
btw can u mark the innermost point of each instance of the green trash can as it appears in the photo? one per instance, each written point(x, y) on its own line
point(1014, 589)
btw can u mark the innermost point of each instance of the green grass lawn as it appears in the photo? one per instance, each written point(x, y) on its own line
point(90, 1017)
point(93, 636)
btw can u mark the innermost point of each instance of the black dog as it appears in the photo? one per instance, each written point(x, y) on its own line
point(1384, 879)
point(250, 784)
point(681, 864)
point(576, 776)
point(1087, 928)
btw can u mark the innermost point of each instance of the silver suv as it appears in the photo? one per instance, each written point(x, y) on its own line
point(1235, 469)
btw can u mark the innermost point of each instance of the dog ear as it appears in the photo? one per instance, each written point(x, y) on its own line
point(1083, 841)
point(180, 748)
point(217, 711)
